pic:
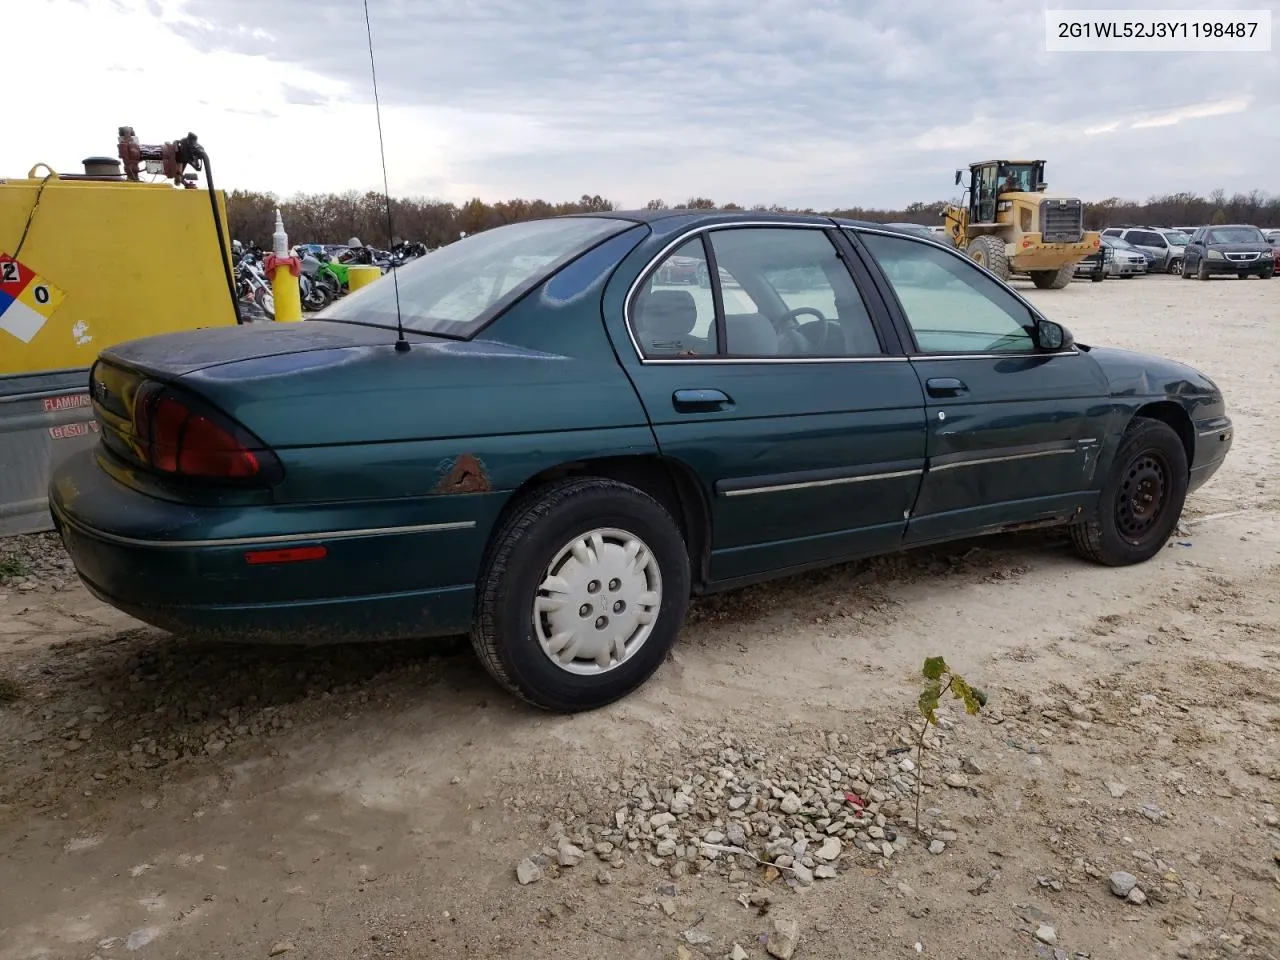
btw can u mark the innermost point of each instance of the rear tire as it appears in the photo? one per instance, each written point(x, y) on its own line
point(610, 536)
point(989, 252)
point(1141, 499)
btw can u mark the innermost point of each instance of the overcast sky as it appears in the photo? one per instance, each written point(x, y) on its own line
point(822, 103)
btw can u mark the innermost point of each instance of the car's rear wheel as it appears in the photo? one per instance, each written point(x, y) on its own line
point(583, 593)
point(1141, 500)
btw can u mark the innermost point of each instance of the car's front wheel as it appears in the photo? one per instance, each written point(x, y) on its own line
point(1202, 270)
point(1141, 500)
point(583, 592)
point(1175, 267)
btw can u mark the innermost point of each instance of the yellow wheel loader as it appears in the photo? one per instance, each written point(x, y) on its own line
point(1012, 227)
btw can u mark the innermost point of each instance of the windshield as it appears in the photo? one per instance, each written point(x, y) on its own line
point(1235, 235)
point(1117, 242)
point(1177, 237)
point(1016, 177)
point(455, 290)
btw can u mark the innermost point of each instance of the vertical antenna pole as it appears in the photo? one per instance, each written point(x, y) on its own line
point(402, 344)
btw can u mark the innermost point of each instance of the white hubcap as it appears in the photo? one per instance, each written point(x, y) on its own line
point(598, 602)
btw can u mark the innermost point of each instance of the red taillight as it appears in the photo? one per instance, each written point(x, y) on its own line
point(179, 435)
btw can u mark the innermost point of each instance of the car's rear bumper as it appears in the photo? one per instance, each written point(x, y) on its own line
point(199, 571)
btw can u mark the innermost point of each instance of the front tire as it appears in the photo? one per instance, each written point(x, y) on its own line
point(1175, 267)
point(1141, 500)
point(582, 594)
point(1202, 270)
point(989, 252)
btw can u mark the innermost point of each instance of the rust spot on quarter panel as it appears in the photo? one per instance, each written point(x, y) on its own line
point(463, 474)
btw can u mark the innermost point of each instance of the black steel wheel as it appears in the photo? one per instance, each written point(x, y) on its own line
point(1141, 499)
point(1143, 496)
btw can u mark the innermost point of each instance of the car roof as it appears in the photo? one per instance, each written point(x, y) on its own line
point(711, 216)
point(701, 217)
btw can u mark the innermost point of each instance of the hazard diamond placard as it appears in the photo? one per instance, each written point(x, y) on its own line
point(27, 300)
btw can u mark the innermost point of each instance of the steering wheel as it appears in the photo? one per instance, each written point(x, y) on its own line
point(821, 337)
point(791, 315)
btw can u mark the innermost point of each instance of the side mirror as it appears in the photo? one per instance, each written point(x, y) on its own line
point(1052, 336)
point(959, 176)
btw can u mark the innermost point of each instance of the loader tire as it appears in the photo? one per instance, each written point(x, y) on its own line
point(989, 252)
point(1053, 279)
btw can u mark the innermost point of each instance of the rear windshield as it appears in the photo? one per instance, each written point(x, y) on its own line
point(456, 289)
point(1235, 235)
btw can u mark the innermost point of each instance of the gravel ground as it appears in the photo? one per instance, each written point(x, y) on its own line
point(1117, 797)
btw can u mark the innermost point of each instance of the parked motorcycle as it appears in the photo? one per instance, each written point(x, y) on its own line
point(315, 294)
point(252, 284)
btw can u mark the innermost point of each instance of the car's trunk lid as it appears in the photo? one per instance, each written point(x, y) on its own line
point(173, 355)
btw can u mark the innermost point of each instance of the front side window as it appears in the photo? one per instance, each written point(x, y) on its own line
point(951, 306)
point(456, 289)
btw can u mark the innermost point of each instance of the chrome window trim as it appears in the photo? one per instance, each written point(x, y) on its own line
point(810, 484)
point(684, 238)
point(1073, 352)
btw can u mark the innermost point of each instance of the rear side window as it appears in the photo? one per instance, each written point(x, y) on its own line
point(673, 314)
point(787, 293)
point(753, 292)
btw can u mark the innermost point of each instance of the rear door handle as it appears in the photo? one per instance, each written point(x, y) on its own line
point(700, 400)
point(946, 387)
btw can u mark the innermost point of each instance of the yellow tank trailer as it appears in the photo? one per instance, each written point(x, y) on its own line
point(1011, 225)
point(89, 260)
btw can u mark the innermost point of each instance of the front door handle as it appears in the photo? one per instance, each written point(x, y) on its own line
point(946, 387)
point(704, 400)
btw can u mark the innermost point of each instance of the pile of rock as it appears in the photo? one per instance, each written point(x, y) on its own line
point(804, 811)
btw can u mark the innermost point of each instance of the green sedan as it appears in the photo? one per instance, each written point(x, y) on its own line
point(539, 436)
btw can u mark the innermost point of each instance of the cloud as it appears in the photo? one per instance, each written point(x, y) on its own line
point(808, 102)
